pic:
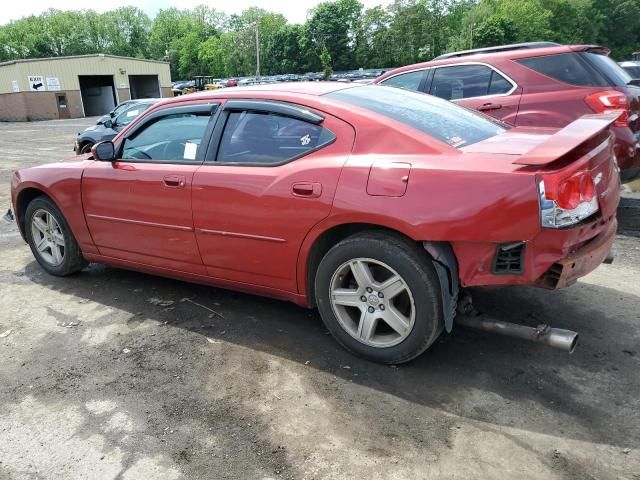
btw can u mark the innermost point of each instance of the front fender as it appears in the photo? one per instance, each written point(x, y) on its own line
point(62, 183)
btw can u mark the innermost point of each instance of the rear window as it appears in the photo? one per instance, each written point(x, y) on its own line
point(610, 69)
point(438, 118)
point(566, 67)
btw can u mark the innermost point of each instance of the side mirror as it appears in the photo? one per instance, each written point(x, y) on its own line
point(108, 124)
point(112, 114)
point(104, 151)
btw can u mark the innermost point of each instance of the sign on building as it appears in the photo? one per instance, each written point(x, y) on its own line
point(53, 84)
point(36, 83)
point(14, 86)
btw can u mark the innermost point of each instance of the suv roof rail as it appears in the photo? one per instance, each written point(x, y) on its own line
point(501, 48)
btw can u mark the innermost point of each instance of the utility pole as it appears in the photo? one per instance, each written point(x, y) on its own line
point(257, 52)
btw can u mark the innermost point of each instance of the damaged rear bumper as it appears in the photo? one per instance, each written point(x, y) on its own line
point(587, 258)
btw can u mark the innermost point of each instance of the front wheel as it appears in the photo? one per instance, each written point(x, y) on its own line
point(86, 148)
point(50, 238)
point(379, 295)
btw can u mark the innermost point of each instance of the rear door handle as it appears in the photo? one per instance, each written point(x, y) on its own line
point(174, 181)
point(489, 106)
point(309, 190)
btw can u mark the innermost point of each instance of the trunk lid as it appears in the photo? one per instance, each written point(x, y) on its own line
point(586, 143)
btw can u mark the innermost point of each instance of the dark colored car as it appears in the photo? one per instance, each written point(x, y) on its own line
point(116, 111)
point(374, 204)
point(111, 126)
point(535, 84)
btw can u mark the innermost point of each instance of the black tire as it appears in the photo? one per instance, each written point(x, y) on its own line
point(414, 266)
point(86, 148)
point(72, 261)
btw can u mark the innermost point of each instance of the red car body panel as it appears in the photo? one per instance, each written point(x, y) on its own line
point(540, 100)
point(254, 228)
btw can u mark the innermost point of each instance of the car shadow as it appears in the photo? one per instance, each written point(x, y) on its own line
point(469, 374)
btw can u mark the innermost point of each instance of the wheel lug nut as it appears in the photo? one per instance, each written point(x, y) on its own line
point(380, 295)
point(381, 307)
point(371, 309)
point(363, 298)
point(369, 289)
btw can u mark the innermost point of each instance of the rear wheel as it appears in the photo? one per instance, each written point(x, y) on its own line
point(50, 238)
point(379, 296)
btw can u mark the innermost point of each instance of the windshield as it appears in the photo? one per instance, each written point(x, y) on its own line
point(609, 68)
point(446, 121)
point(633, 71)
point(130, 114)
point(122, 107)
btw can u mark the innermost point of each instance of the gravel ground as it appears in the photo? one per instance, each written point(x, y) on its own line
point(111, 374)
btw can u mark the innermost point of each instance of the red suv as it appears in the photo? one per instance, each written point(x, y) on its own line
point(539, 84)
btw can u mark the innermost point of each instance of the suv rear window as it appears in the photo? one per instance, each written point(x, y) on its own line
point(610, 69)
point(566, 67)
point(438, 118)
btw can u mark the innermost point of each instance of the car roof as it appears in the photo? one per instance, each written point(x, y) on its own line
point(481, 56)
point(301, 88)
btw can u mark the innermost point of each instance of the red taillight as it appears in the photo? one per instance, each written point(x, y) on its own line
point(610, 100)
point(569, 193)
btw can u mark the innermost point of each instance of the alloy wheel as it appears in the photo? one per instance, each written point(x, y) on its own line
point(372, 302)
point(48, 238)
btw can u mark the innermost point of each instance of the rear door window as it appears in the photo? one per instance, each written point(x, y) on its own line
point(468, 81)
point(261, 138)
point(566, 67)
point(410, 81)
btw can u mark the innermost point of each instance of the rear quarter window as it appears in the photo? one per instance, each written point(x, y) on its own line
point(566, 67)
point(443, 120)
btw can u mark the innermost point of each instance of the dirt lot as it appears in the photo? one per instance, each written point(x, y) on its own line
point(103, 377)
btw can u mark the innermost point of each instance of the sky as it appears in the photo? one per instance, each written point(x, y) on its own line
point(294, 10)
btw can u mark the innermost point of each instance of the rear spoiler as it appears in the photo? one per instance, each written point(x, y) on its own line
point(565, 140)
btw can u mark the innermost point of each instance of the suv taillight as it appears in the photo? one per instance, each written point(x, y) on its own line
point(610, 100)
point(566, 200)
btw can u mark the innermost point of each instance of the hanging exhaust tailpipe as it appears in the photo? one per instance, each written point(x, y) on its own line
point(554, 337)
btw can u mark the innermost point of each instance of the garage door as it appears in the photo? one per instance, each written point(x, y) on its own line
point(144, 86)
point(98, 94)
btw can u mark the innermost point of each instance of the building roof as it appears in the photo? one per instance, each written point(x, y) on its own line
point(98, 55)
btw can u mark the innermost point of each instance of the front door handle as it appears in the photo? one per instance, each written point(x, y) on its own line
point(489, 106)
point(306, 189)
point(174, 181)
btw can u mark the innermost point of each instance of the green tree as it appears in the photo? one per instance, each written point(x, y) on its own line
point(332, 25)
point(495, 30)
point(620, 25)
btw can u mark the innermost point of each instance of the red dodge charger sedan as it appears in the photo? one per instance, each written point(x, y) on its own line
point(373, 203)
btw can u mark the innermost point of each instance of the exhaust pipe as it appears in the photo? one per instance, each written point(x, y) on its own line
point(553, 337)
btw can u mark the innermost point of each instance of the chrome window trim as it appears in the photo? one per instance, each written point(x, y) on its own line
point(514, 85)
